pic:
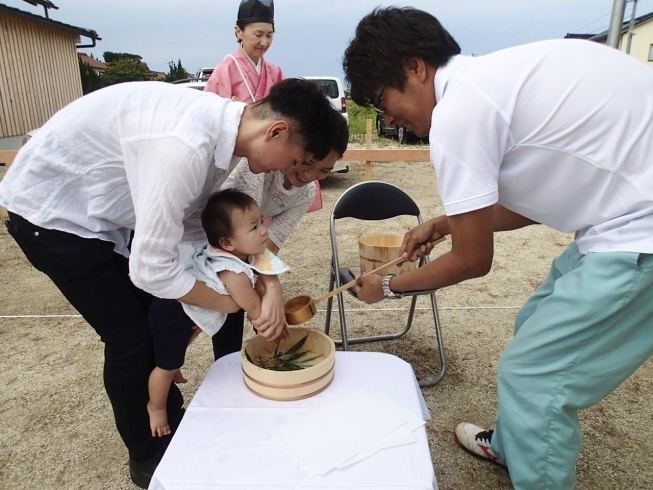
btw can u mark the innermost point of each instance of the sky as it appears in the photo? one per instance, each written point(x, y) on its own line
point(311, 35)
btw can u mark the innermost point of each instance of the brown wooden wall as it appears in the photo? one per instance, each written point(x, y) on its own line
point(39, 73)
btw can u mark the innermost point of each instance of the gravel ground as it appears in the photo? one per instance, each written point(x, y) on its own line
point(56, 429)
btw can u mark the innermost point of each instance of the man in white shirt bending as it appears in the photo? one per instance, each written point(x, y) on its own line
point(101, 198)
point(556, 132)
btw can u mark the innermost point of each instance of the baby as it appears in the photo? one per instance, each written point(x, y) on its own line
point(237, 246)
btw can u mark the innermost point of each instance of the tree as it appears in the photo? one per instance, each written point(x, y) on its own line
point(111, 57)
point(176, 71)
point(90, 79)
point(125, 70)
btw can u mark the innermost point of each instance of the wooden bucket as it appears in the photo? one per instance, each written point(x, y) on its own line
point(290, 385)
point(376, 250)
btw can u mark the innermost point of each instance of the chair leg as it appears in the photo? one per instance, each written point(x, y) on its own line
point(438, 331)
point(411, 313)
point(343, 324)
point(329, 305)
point(345, 342)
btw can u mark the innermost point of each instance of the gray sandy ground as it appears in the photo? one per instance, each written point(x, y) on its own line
point(56, 428)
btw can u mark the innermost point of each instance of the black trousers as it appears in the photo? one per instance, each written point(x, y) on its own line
point(95, 280)
point(230, 337)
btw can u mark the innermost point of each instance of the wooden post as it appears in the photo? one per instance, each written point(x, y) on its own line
point(6, 157)
point(368, 145)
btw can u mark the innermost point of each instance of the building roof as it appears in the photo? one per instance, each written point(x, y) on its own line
point(159, 75)
point(579, 36)
point(602, 36)
point(624, 27)
point(90, 33)
point(92, 62)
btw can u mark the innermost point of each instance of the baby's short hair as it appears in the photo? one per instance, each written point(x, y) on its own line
point(216, 217)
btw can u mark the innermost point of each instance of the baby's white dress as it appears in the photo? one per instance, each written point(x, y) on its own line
point(205, 264)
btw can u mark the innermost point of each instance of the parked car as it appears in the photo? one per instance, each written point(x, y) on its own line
point(198, 81)
point(332, 88)
point(194, 83)
point(340, 167)
point(400, 132)
point(204, 73)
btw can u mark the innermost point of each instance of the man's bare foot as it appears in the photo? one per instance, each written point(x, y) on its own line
point(158, 421)
point(179, 378)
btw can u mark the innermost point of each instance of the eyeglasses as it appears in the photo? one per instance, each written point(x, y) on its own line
point(377, 102)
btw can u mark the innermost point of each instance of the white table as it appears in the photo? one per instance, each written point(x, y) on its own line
point(225, 438)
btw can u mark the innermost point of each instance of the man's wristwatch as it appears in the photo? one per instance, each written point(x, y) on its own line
point(387, 292)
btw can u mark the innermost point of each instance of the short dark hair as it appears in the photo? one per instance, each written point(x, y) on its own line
point(386, 39)
point(309, 112)
point(342, 136)
point(216, 216)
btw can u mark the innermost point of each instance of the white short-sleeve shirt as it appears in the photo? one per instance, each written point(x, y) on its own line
point(140, 156)
point(558, 131)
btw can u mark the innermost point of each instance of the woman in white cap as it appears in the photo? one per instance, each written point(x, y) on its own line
point(245, 75)
point(283, 196)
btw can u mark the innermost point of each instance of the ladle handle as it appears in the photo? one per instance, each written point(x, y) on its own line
point(344, 287)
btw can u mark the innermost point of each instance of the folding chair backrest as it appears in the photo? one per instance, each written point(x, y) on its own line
point(374, 200)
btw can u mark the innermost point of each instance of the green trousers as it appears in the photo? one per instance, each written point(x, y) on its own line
point(585, 330)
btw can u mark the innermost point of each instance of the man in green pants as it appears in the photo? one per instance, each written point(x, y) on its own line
point(556, 132)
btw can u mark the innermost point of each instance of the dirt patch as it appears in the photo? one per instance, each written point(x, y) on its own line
point(56, 428)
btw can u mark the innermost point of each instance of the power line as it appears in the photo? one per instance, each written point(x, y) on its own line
point(591, 23)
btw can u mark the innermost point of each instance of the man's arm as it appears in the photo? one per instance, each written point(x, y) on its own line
point(472, 250)
point(470, 256)
point(416, 241)
point(165, 176)
point(203, 296)
point(506, 220)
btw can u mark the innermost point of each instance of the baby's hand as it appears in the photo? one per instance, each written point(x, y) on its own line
point(284, 334)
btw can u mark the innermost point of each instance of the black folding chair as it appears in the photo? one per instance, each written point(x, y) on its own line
point(372, 201)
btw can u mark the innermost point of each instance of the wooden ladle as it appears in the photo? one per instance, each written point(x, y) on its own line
point(301, 309)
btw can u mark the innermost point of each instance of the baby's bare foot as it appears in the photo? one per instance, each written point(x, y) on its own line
point(158, 421)
point(179, 378)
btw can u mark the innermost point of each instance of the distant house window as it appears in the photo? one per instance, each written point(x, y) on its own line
point(650, 53)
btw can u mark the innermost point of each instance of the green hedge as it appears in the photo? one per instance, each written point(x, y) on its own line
point(357, 117)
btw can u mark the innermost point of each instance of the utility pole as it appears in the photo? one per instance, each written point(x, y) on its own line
point(631, 27)
point(616, 23)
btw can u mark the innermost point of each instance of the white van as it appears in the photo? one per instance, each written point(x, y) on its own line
point(332, 88)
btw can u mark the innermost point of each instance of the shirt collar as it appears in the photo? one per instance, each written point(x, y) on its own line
point(227, 134)
point(442, 76)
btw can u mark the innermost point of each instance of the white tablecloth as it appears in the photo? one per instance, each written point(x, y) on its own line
point(225, 438)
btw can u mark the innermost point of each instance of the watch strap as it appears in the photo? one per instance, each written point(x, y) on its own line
point(387, 292)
